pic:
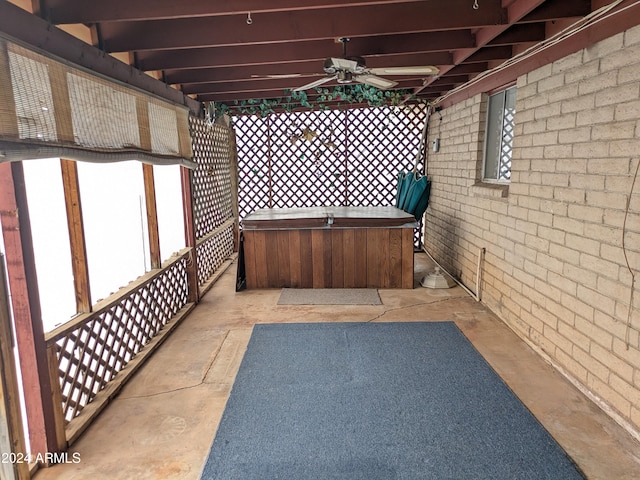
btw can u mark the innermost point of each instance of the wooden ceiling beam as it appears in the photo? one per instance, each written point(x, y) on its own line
point(32, 30)
point(549, 11)
point(369, 48)
point(516, 10)
point(282, 27)
point(244, 72)
point(257, 55)
point(306, 68)
point(83, 11)
point(621, 18)
point(524, 33)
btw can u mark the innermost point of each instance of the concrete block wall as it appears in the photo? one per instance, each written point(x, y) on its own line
point(559, 238)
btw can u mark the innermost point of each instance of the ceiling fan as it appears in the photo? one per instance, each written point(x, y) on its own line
point(348, 69)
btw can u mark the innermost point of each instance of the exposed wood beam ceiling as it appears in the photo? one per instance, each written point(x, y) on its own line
point(210, 51)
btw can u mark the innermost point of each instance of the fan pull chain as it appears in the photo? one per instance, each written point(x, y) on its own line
point(475, 5)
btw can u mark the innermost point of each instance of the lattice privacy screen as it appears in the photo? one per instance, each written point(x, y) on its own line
point(329, 157)
point(50, 109)
point(212, 195)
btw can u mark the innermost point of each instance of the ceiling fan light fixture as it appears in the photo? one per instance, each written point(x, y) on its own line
point(345, 77)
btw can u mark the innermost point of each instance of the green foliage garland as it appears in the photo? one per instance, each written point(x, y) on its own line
point(342, 94)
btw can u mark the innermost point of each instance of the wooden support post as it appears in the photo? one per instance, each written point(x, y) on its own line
point(23, 283)
point(56, 395)
point(10, 414)
point(190, 234)
point(152, 215)
point(76, 235)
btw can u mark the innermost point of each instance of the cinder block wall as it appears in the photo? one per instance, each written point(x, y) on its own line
point(555, 268)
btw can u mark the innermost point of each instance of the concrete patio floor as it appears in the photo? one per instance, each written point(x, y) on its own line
point(162, 423)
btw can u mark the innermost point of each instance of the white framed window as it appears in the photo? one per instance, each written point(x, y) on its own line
point(498, 145)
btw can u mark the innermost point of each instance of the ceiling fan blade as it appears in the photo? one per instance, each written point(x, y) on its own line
point(375, 81)
point(415, 70)
point(315, 83)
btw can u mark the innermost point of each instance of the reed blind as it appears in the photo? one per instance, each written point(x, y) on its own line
point(50, 108)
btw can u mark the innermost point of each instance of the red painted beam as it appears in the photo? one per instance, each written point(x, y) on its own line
point(282, 27)
point(516, 10)
point(83, 11)
point(16, 229)
point(623, 17)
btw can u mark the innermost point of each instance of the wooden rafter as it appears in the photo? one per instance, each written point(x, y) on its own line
point(220, 45)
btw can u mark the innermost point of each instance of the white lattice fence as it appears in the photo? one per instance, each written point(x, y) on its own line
point(212, 196)
point(327, 157)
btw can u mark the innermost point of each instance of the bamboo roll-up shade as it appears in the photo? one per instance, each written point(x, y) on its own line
point(50, 108)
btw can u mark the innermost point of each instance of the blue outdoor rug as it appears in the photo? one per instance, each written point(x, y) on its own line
point(376, 401)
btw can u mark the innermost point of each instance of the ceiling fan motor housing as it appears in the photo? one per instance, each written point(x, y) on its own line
point(331, 68)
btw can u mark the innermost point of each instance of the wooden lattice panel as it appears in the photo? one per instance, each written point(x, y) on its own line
point(212, 178)
point(327, 157)
point(213, 251)
point(386, 141)
point(308, 171)
point(92, 353)
point(254, 185)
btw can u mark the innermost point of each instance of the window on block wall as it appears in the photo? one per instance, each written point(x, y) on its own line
point(499, 136)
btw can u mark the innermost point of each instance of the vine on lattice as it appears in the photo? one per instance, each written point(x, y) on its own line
point(322, 98)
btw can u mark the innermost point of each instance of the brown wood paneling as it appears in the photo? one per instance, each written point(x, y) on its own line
point(295, 267)
point(383, 258)
point(327, 256)
point(395, 258)
point(330, 258)
point(337, 258)
point(317, 260)
point(306, 259)
point(260, 245)
point(407, 258)
point(250, 258)
point(373, 260)
point(348, 257)
point(284, 263)
point(272, 263)
point(360, 258)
